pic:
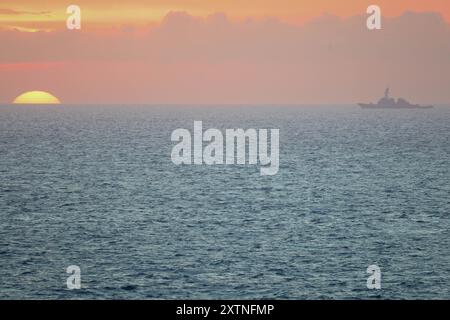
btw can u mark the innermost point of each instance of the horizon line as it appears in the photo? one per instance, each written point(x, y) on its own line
point(199, 104)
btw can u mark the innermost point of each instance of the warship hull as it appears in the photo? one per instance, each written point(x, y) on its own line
point(378, 106)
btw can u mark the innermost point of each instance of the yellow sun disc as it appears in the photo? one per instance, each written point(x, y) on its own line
point(36, 97)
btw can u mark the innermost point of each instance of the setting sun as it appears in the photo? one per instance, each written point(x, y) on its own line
point(36, 97)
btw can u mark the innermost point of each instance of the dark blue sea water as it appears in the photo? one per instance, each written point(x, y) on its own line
point(94, 186)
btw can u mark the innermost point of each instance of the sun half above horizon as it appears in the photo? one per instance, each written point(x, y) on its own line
point(36, 97)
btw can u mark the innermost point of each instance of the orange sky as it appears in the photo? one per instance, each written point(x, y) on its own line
point(207, 51)
point(48, 14)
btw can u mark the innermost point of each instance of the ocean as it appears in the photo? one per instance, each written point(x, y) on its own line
point(94, 186)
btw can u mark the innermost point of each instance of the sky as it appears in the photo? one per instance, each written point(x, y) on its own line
point(219, 52)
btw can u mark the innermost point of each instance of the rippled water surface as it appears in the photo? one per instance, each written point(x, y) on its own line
point(94, 186)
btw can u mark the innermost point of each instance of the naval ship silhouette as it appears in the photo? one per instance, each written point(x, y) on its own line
point(389, 103)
